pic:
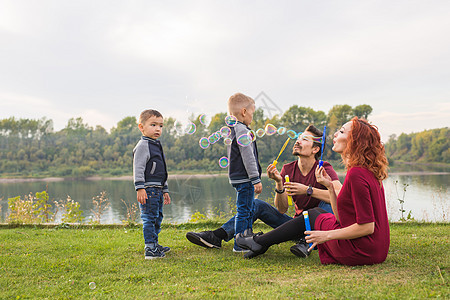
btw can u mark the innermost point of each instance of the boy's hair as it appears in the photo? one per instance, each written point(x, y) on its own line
point(239, 101)
point(146, 114)
point(317, 133)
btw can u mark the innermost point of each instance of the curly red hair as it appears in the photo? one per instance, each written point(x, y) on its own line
point(364, 149)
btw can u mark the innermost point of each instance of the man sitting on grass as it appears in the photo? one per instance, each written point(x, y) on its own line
point(306, 193)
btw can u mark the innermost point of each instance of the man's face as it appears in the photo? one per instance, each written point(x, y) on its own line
point(304, 146)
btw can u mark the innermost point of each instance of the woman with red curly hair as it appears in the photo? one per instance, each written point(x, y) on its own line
point(358, 232)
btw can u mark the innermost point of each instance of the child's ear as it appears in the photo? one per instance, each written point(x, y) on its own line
point(243, 111)
point(140, 126)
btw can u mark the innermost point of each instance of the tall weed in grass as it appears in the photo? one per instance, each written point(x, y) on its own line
point(100, 203)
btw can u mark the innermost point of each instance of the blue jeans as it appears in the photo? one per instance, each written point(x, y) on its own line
point(244, 206)
point(152, 214)
point(325, 206)
point(263, 211)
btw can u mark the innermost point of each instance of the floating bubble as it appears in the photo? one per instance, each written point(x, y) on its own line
point(204, 143)
point(227, 141)
point(223, 162)
point(214, 137)
point(281, 130)
point(292, 134)
point(202, 119)
point(225, 131)
point(178, 127)
point(190, 128)
point(317, 139)
point(230, 120)
point(260, 132)
point(218, 135)
point(252, 135)
point(244, 140)
point(270, 129)
point(92, 285)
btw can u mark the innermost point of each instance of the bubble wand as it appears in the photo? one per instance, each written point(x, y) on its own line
point(307, 224)
point(286, 179)
point(323, 143)
point(281, 151)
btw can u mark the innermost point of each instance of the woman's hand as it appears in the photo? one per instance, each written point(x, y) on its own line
point(273, 173)
point(323, 178)
point(316, 237)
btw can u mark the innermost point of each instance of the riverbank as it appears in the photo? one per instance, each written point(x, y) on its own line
point(105, 263)
point(180, 176)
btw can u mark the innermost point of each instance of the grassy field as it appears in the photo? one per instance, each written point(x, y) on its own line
point(61, 263)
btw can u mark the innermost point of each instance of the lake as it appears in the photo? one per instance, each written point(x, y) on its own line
point(427, 196)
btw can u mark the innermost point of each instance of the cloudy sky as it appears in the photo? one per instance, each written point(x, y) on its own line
point(105, 60)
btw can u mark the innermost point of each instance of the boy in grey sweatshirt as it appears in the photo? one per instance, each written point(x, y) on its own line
point(150, 181)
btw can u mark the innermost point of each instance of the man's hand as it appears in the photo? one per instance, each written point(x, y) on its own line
point(294, 188)
point(273, 173)
point(141, 196)
point(258, 188)
point(166, 198)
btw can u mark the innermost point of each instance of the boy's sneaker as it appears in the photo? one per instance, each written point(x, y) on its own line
point(155, 253)
point(237, 249)
point(205, 239)
point(163, 248)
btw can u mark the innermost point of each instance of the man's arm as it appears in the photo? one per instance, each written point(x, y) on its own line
point(280, 201)
point(295, 188)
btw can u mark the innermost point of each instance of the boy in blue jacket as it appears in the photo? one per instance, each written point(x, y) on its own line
point(150, 181)
point(244, 170)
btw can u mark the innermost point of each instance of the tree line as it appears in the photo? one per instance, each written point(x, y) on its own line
point(425, 146)
point(31, 147)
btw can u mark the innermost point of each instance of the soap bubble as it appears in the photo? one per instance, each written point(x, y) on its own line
point(204, 143)
point(223, 162)
point(281, 130)
point(270, 129)
point(178, 127)
point(230, 121)
point(225, 131)
point(317, 139)
point(202, 119)
point(260, 132)
point(217, 135)
point(227, 141)
point(190, 128)
point(252, 135)
point(214, 137)
point(92, 285)
point(244, 140)
point(292, 134)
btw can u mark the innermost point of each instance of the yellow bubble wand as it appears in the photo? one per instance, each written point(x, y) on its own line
point(275, 163)
point(281, 151)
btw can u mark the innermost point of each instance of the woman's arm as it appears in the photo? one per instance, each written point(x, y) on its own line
point(324, 179)
point(348, 233)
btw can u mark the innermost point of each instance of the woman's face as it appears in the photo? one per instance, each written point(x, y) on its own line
point(340, 137)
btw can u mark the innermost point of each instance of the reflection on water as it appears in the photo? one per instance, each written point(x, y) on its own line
point(427, 196)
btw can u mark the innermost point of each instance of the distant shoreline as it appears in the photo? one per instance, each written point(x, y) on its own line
point(176, 176)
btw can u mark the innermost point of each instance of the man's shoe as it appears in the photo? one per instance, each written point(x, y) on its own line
point(300, 249)
point(205, 239)
point(155, 253)
point(162, 248)
point(245, 240)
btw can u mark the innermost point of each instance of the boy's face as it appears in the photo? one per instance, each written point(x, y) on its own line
point(247, 114)
point(152, 128)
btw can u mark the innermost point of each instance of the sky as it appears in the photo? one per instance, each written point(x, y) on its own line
point(107, 60)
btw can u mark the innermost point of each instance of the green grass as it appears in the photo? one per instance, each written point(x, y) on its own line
point(60, 263)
